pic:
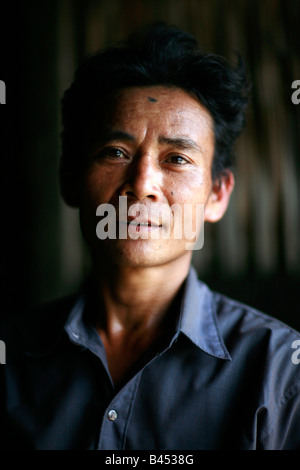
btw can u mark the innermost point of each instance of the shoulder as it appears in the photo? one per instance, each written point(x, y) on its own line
point(261, 343)
point(36, 326)
point(237, 321)
point(268, 351)
point(246, 320)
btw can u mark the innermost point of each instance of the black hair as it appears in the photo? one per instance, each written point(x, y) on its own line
point(156, 55)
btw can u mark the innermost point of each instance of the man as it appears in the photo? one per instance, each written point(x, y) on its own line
point(146, 356)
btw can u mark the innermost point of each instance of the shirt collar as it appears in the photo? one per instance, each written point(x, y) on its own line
point(80, 332)
point(198, 320)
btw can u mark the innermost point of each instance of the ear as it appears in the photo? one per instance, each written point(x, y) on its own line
point(219, 197)
point(69, 186)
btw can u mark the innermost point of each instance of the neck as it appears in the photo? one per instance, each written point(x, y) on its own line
point(137, 298)
point(135, 309)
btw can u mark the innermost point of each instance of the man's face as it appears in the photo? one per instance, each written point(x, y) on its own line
point(154, 146)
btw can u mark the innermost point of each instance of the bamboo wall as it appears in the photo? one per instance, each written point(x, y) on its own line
point(255, 249)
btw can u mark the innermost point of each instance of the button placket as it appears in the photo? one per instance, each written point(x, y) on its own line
point(115, 420)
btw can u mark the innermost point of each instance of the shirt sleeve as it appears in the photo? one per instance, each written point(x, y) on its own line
point(284, 434)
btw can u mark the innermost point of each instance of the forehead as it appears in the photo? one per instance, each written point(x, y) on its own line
point(167, 107)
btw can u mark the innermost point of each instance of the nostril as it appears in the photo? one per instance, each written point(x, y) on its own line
point(139, 189)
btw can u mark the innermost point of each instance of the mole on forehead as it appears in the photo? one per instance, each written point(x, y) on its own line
point(152, 100)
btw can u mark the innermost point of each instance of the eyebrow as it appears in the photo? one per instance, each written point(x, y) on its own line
point(110, 134)
point(182, 143)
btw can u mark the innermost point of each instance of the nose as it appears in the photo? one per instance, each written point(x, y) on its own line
point(143, 180)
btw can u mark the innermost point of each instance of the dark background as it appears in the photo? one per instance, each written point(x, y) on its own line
point(253, 254)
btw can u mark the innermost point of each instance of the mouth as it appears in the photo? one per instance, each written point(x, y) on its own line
point(140, 225)
point(143, 224)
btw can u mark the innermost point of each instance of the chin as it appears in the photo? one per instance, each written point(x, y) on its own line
point(139, 253)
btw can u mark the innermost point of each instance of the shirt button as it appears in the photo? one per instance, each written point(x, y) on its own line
point(112, 415)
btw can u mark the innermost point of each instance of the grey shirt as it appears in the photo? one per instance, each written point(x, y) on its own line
point(227, 377)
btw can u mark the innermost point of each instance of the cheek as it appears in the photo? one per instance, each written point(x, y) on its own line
point(97, 186)
point(192, 189)
point(192, 197)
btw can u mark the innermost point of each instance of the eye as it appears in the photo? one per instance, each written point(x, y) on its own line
point(177, 160)
point(111, 153)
